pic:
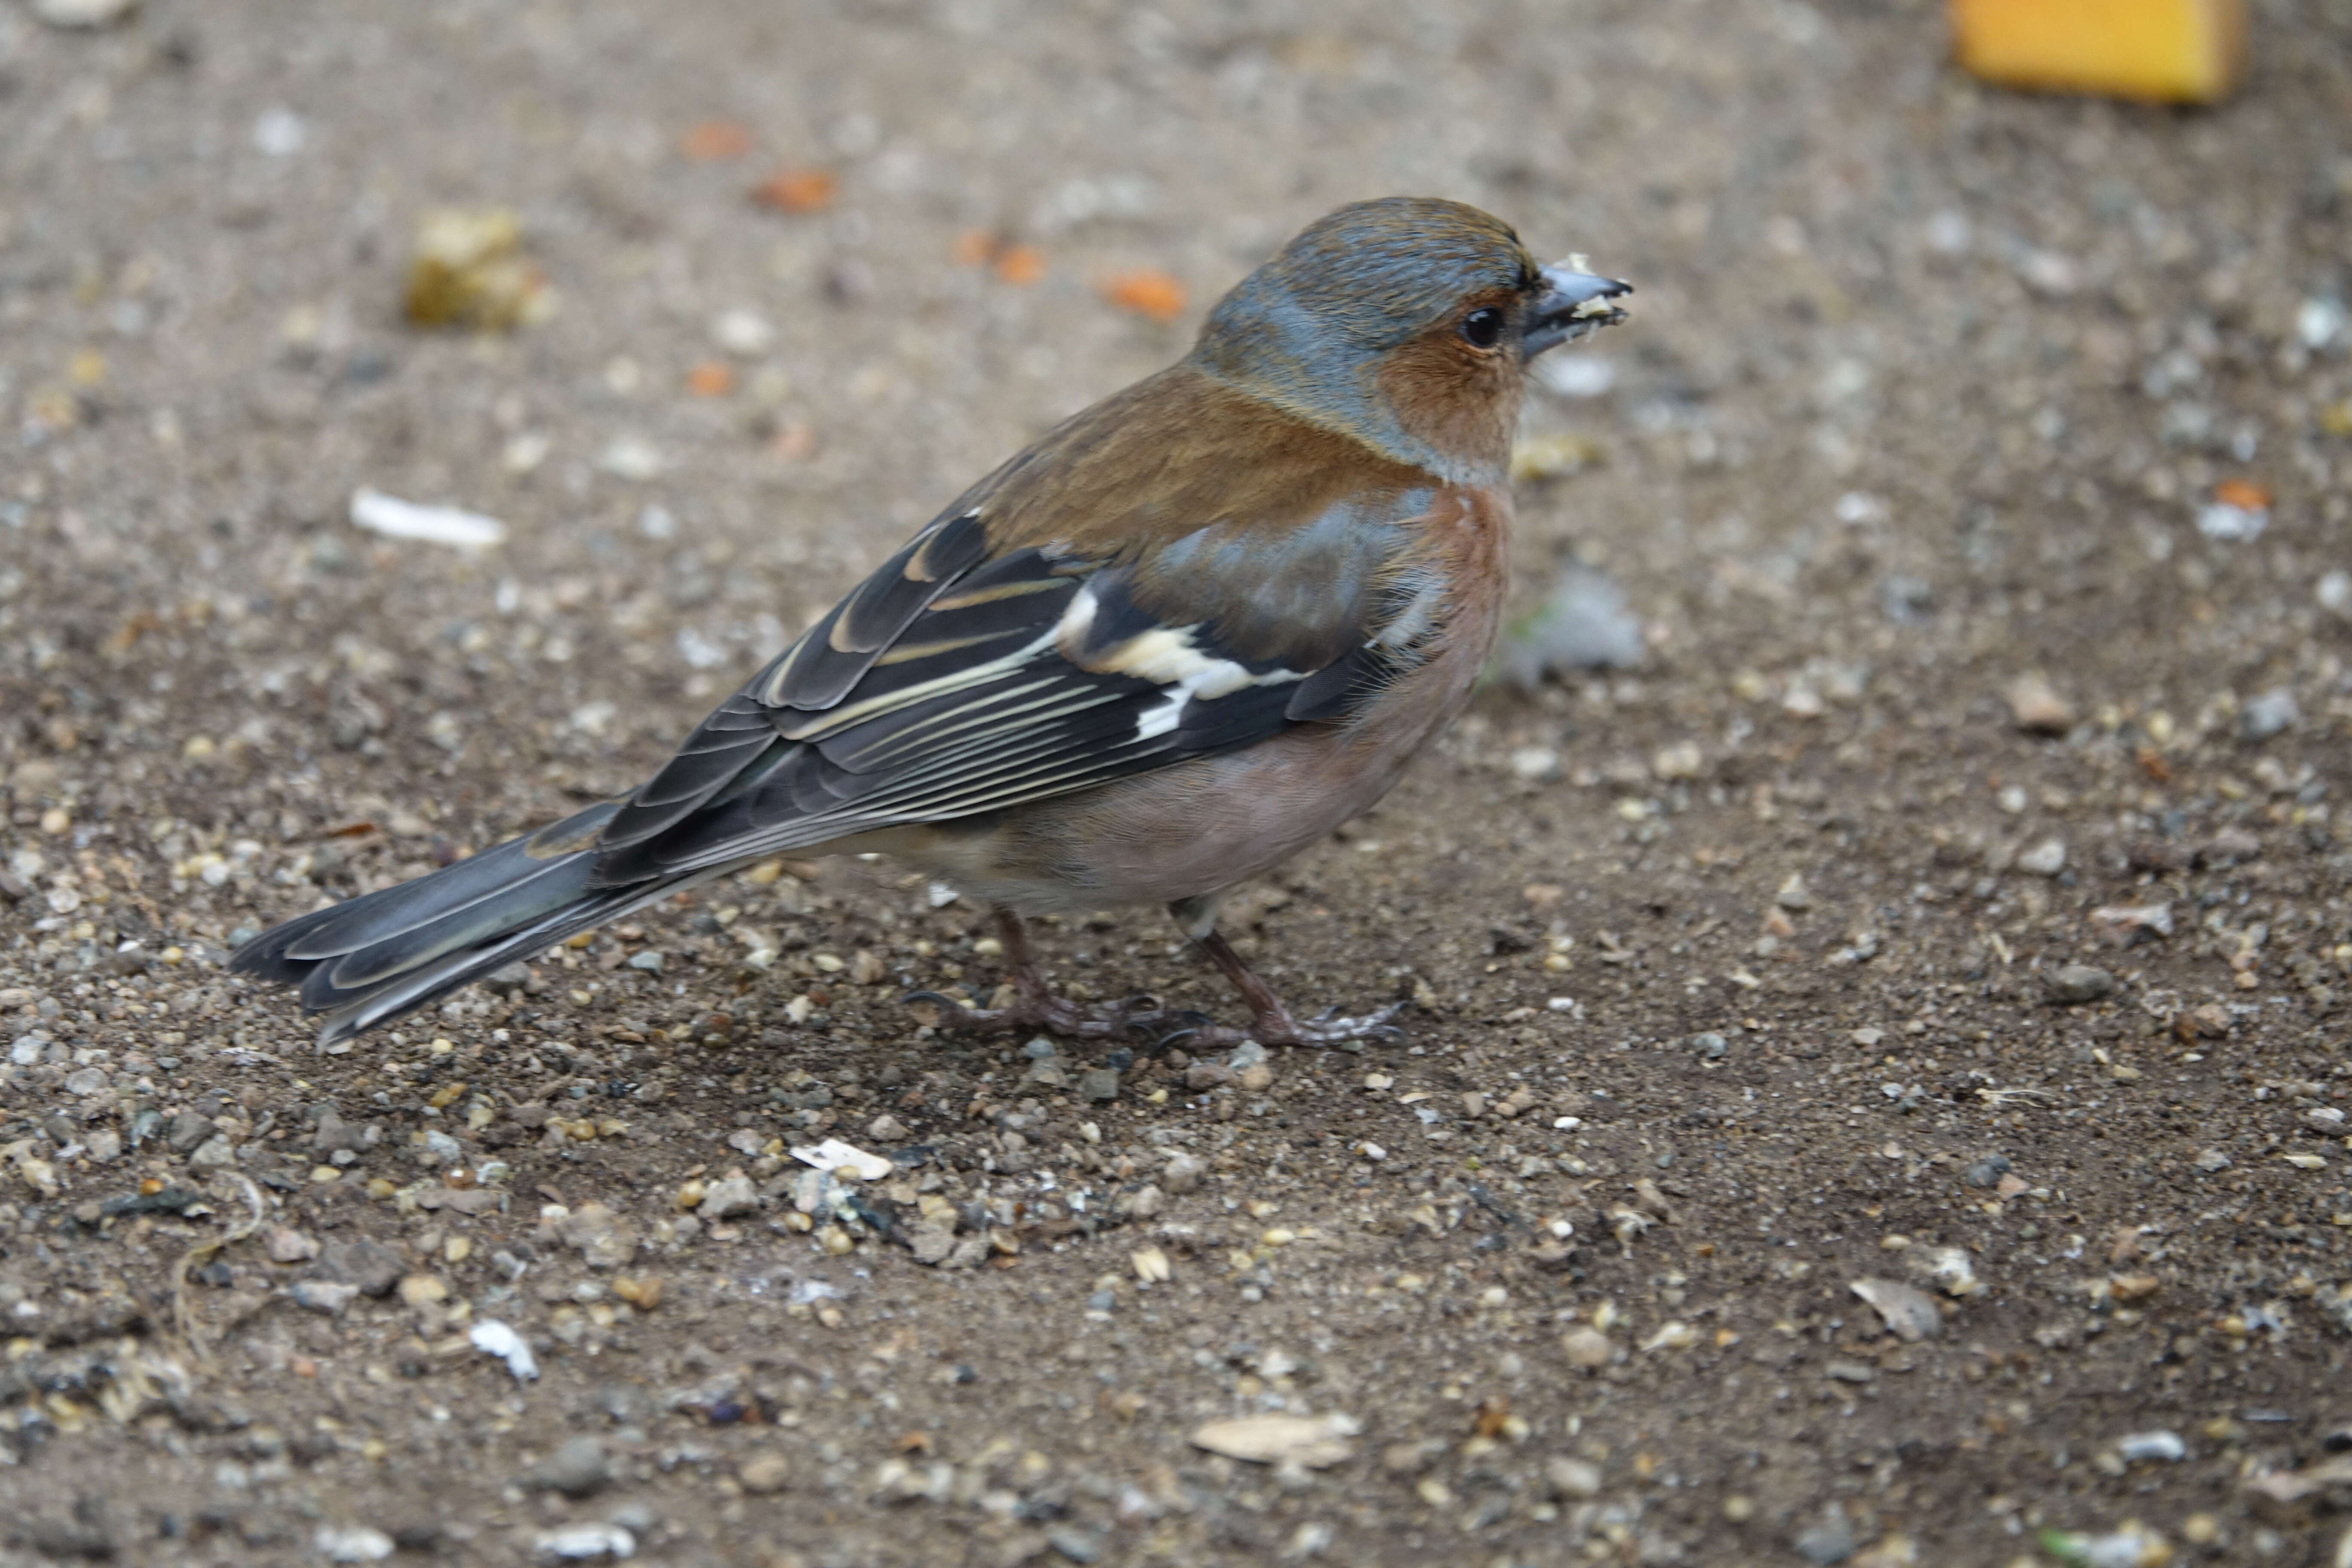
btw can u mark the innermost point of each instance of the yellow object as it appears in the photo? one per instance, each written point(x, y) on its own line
point(469, 271)
point(2188, 51)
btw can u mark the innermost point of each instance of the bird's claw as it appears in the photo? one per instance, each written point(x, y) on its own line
point(1281, 1029)
point(1136, 1017)
point(1191, 1026)
point(1327, 1028)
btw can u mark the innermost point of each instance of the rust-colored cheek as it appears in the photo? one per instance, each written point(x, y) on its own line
point(1462, 401)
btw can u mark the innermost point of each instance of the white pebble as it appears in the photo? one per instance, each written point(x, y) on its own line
point(1537, 763)
point(2046, 858)
point(2166, 1445)
point(351, 1543)
point(2336, 593)
point(583, 1543)
point(279, 132)
point(745, 332)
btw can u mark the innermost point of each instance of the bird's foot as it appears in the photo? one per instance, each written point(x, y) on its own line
point(1139, 1017)
point(1276, 1026)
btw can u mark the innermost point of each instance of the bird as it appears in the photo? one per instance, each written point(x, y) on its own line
point(1181, 637)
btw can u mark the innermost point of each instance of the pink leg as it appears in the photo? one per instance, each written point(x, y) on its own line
point(1035, 1006)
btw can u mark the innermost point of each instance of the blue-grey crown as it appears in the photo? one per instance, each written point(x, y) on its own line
point(1307, 330)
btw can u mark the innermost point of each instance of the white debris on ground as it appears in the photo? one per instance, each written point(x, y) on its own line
point(397, 519)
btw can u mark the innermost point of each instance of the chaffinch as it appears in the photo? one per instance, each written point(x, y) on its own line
point(1178, 639)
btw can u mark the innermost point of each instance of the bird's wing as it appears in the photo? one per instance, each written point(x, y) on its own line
point(1011, 653)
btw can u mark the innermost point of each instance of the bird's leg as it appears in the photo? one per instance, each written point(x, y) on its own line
point(1271, 1023)
point(1034, 1001)
point(1035, 1005)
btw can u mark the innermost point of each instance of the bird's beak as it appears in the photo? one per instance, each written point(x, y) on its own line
point(1573, 303)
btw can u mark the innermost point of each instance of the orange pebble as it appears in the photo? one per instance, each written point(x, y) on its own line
point(1021, 265)
point(797, 190)
point(305, 1367)
point(716, 139)
point(1147, 292)
point(711, 379)
point(2243, 494)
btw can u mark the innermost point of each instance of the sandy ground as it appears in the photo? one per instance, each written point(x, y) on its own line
point(1811, 951)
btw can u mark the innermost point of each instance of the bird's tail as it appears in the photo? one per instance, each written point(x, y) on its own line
point(369, 959)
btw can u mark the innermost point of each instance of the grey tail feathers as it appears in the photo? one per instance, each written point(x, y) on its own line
point(369, 959)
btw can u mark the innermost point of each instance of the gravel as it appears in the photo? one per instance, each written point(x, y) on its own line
point(577, 1468)
point(369, 1266)
point(2073, 985)
point(1724, 954)
point(1827, 1543)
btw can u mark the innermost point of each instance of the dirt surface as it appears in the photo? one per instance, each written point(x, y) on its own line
point(1811, 951)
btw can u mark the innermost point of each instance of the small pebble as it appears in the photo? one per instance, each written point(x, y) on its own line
point(1537, 764)
point(2335, 592)
point(576, 1469)
point(2046, 858)
point(764, 1472)
point(1074, 1545)
point(1911, 1315)
point(1828, 1542)
point(326, 1296)
point(286, 1244)
point(1680, 762)
point(2072, 984)
point(1570, 1478)
point(2159, 1445)
point(351, 1543)
point(1183, 1173)
point(1586, 1347)
point(370, 1266)
point(2272, 713)
point(2035, 707)
point(424, 1290)
point(1986, 1171)
point(730, 1195)
point(584, 1543)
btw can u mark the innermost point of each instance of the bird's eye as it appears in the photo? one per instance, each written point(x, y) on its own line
point(1483, 328)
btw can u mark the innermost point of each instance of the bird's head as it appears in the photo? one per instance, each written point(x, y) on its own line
point(1407, 323)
